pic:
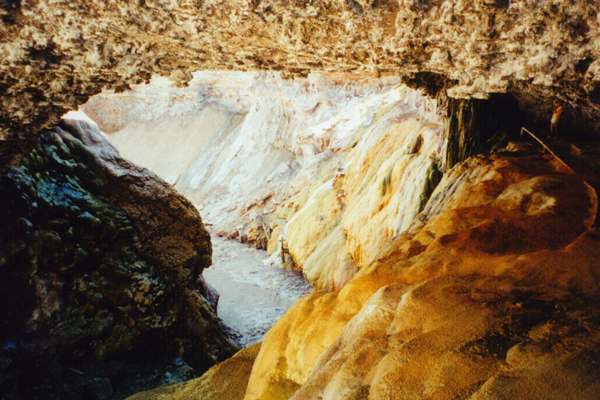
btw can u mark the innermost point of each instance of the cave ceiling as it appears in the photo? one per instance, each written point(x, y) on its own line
point(55, 54)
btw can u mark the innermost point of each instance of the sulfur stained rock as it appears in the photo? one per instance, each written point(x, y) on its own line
point(100, 261)
point(388, 183)
point(55, 55)
point(490, 294)
point(308, 228)
point(346, 223)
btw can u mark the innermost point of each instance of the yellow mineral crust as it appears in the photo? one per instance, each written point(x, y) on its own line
point(307, 227)
point(386, 185)
point(492, 297)
point(346, 222)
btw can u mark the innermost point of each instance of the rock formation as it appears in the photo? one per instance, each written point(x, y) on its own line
point(222, 135)
point(56, 55)
point(343, 222)
point(478, 284)
point(227, 380)
point(99, 270)
point(491, 294)
point(440, 274)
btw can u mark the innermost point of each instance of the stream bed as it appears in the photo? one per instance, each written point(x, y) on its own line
point(253, 295)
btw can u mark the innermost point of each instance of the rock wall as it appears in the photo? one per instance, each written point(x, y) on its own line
point(487, 292)
point(476, 284)
point(239, 144)
point(345, 221)
point(100, 269)
point(490, 295)
point(55, 55)
point(322, 171)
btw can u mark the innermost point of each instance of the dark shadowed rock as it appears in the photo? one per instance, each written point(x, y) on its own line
point(99, 389)
point(100, 261)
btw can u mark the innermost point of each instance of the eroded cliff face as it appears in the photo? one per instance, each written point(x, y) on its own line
point(241, 144)
point(100, 269)
point(488, 292)
point(54, 55)
point(482, 286)
point(343, 221)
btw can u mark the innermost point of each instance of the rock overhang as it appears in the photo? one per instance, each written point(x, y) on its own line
point(55, 55)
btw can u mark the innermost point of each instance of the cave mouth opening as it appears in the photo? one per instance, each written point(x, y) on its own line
point(291, 167)
point(240, 146)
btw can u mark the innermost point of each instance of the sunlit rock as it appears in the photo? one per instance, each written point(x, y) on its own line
point(446, 265)
point(494, 294)
point(239, 144)
point(438, 273)
point(337, 169)
point(386, 179)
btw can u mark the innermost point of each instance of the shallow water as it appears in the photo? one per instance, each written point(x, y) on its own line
point(253, 295)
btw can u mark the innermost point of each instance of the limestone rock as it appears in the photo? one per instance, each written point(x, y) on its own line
point(236, 153)
point(345, 223)
point(100, 261)
point(341, 167)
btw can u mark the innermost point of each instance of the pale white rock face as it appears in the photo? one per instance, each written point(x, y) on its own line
point(338, 167)
point(232, 138)
point(341, 167)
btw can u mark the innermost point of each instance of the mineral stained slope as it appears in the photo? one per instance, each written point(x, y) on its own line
point(477, 281)
point(491, 296)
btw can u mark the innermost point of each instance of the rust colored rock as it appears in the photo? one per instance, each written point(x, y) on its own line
point(493, 296)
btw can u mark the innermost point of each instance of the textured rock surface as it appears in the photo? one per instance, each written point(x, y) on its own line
point(224, 381)
point(479, 286)
point(344, 222)
point(100, 263)
point(490, 295)
point(55, 54)
point(334, 168)
point(236, 152)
